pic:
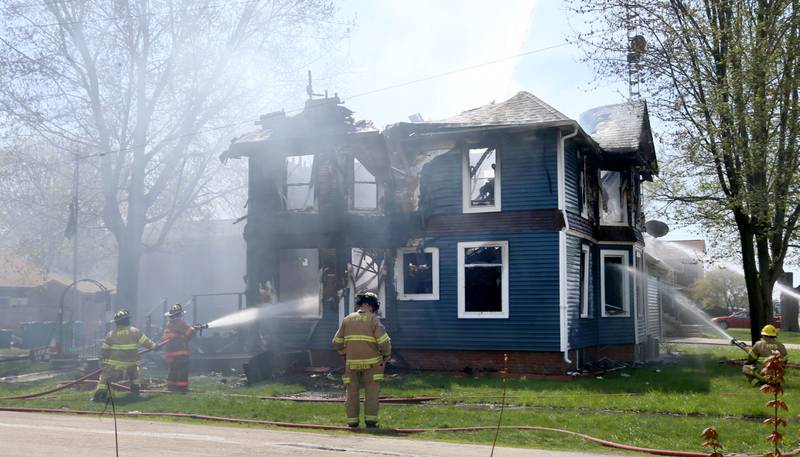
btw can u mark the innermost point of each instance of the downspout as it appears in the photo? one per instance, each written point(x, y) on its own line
point(562, 245)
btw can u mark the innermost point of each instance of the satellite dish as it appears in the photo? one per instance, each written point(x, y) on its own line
point(656, 228)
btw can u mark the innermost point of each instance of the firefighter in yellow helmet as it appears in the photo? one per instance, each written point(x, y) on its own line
point(177, 334)
point(121, 356)
point(365, 346)
point(765, 347)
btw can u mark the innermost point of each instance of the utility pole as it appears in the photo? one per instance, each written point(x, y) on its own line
point(74, 223)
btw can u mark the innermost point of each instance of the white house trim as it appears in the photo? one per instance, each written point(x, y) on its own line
point(399, 274)
point(562, 244)
point(585, 311)
point(462, 313)
point(466, 198)
point(626, 284)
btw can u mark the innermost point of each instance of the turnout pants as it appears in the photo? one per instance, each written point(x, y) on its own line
point(753, 371)
point(114, 374)
point(370, 380)
point(178, 376)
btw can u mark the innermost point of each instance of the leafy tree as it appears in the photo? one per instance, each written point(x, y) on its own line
point(722, 76)
point(144, 91)
point(720, 291)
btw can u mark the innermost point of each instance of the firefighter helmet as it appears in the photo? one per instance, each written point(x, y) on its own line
point(769, 330)
point(175, 311)
point(122, 317)
point(368, 298)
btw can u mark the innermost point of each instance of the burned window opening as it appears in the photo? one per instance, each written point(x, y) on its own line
point(367, 274)
point(417, 273)
point(298, 186)
point(483, 279)
point(365, 188)
point(583, 286)
point(299, 282)
point(481, 187)
point(613, 208)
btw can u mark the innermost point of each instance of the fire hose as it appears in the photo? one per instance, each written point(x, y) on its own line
point(73, 382)
point(397, 431)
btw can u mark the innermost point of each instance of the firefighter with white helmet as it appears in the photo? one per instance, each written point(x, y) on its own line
point(177, 334)
point(767, 346)
point(121, 356)
point(366, 347)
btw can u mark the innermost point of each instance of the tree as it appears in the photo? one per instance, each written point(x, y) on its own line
point(720, 292)
point(722, 75)
point(143, 90)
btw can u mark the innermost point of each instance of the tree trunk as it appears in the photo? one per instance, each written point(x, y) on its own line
point(789, 305)
point(751, 277)
point(128, 263)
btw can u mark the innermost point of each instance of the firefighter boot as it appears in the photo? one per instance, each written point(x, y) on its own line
point(100, 396)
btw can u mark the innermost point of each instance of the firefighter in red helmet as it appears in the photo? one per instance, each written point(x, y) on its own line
point(177, 334)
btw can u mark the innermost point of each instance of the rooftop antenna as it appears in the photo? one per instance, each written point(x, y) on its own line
point(637, 45)
point(310, 89)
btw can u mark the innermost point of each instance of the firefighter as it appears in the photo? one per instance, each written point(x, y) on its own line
point(177, 334)
point(365, 346)
point(121, 356)
point(765, 347)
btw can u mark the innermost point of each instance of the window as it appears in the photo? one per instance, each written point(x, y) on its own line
point(612, 208)
point(365, 188)
point(481, 180)
point(584, 200)
point(640, 284)
point(417, 274)
point(614, 283)
point(584, 281)
point(298, 192)
point(366, 274)
point(483, 279)
point(299, 282)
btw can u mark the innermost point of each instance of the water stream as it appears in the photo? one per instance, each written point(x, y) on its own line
point(303, 307)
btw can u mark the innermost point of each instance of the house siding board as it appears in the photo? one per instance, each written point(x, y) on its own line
point(653, 308)
point(582, 331)
point(613, 330)
point(440, 185)
point(529, 173)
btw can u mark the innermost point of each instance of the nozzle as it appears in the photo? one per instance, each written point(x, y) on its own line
point(200, 327)
point(739, 344)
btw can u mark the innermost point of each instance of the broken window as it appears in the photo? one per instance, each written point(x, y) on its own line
point(299, 190)
point(483, 279)
point(612, 209)
point(614, 283)
point(366, 274)
point(481, 180)
point(299, 283)
point(417, 274)
point(365, 188)
point(583, 286)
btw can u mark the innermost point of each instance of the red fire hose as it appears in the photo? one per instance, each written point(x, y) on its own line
point(399, 431)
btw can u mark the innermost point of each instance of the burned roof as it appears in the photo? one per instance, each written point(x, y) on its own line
point(622, 131)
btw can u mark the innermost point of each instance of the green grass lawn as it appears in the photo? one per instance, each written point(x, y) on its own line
point(663, 406)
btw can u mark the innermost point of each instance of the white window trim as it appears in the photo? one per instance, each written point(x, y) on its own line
point(398, 270)
point(584, 186)
point(285, 190)
point(584, 305)
point(465, 184)
point(462, 313)
point(351, 303)
point(624, 202)
point(625, 282)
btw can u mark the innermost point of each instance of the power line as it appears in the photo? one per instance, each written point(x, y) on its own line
point(356, 95)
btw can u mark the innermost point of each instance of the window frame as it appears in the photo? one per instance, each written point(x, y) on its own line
point(504, 312)
point(310, 184)
point(585, 312)
point(623, 200)
point(351, 284)
point(399, 274)
point(640, 285)
point(466, 197)
point(354, 182)
point(319, 281)
point(626, 283)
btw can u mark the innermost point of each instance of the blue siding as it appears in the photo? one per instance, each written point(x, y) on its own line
point(582, 331)
point(528, 176)
point(533, 322)
point(613, 330)
point(572, 168)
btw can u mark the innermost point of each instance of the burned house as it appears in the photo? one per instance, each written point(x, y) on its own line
point(508, 228)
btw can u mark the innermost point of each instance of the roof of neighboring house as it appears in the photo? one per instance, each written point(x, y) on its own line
point(622, 130)
point(16, 271)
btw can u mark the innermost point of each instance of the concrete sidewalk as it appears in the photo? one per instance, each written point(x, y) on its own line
point(46, 435)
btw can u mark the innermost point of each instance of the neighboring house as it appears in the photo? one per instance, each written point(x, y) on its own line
point(509, 228)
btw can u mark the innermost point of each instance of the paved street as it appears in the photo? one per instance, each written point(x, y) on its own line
point(45, 435)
